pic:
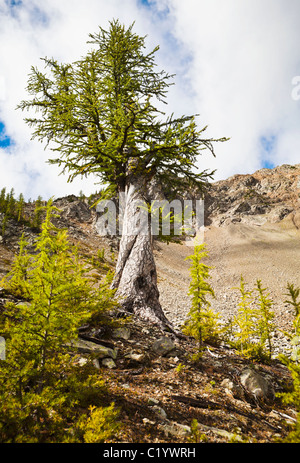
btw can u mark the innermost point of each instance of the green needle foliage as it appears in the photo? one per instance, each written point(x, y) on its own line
point(18, 283)
point(245, 322)
point(7, 207)
point(266, 315)
point(294, 337)
point(254, 322)
point(38, 210)
point(101, 112)
point(40, 387)
point(14, 209)
point(20, 207)
point(293, 398)
point(294, 294)
point(202, 322)
point(293, 362)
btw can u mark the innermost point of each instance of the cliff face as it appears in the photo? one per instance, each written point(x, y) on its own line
point(268, 195)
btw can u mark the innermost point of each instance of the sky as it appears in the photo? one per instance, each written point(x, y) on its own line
point(236, 64)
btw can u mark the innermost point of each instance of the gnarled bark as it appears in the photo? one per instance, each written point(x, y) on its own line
point(135, 276)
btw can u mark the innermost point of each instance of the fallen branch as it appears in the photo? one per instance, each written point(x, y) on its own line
point(203, 403)
point(196, 402)
point(283, 415)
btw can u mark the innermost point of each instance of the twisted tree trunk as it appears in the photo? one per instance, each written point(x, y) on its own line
point(135, 276)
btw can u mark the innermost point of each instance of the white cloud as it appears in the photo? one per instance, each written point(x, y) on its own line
point(245, 55)
point(29, 31)
point(234, 63)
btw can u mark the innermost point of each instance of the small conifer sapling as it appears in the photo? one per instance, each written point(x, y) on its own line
point(202, 322)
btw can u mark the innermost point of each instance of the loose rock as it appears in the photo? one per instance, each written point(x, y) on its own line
point(257, 385)
point(175, 429)
point(122, 333)
point(163, 346)
point(88, 347)
point(109, 363)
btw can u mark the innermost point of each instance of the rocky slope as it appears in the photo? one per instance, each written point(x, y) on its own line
point(252, 227)
point(268, 195)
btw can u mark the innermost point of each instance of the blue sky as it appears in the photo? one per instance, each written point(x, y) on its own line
point(235, 64)
point(5, 140)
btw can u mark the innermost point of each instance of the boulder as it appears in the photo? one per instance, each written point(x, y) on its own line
point(88, 347)
point(257, 385)
point(242, 207)
point(108, 363)
point(78, 210)
point(135, 357)
point(163, 346)
point(122, 333)
point(233, 389)
point(160, 412)
point(171, 428)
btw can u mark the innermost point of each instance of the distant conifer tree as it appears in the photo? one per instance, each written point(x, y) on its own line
point(20, 207)
point(37, 219)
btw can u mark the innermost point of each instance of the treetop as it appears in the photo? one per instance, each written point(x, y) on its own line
point(101, 112)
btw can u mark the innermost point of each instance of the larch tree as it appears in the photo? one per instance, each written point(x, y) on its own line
point(202, 321)
point(101, 115)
